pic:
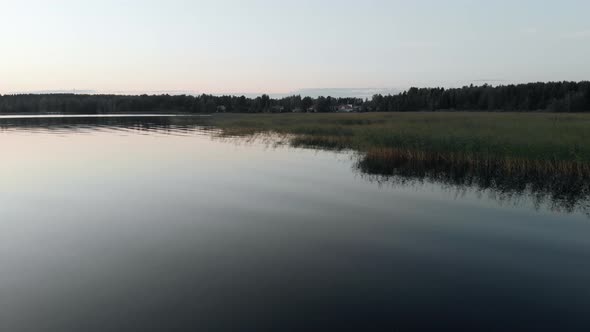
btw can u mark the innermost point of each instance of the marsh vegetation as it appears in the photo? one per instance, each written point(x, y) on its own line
point(558, 139)
point(542, 155)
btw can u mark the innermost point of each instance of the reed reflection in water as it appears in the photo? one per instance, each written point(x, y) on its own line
point(560, 191)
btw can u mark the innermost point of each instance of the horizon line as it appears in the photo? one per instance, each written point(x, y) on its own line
point(304, 92)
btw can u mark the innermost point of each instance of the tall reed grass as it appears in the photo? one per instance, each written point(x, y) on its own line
point(537, 143)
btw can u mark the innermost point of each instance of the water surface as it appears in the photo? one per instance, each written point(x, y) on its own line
point(157, 223)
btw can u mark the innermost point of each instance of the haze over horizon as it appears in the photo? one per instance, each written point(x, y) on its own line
point(253, 47)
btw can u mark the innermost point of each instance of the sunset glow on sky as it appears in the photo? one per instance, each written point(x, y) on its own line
point(258, 46)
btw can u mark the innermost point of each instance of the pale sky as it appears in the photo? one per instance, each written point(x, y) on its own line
point(275, 46)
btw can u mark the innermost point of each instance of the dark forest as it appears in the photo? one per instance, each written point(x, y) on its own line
point(531, 97)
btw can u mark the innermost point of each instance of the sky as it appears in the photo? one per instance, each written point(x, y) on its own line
point(241, 46)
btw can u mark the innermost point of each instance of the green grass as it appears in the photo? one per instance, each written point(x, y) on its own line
point(517, 136)
point(511, 153)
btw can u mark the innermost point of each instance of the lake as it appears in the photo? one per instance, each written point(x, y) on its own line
point(160, 223)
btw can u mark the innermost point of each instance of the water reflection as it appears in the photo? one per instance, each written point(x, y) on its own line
point(159, 124)
point(557, 192)
point(139, 224)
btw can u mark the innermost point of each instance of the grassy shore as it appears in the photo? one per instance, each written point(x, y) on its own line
point(543, 143)
point(531, 136)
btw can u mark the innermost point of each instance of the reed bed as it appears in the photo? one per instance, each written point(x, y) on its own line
point(543, 155)
point(385, 160)
point(565, 185)
point(510, 136)
point(537, 143)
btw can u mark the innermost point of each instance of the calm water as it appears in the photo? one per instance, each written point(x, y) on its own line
point(135, 224)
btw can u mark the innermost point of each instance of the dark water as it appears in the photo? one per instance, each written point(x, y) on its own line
point(140, 224)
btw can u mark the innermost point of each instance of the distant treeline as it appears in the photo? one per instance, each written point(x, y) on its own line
point(553, 96)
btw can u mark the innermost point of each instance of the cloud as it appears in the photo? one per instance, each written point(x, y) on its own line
point(490, 80)
point(581, 34)
point(529, 31)
point(63, 91)
point(346, 92)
